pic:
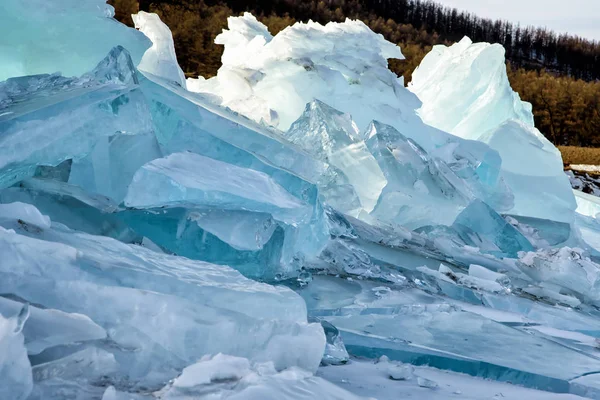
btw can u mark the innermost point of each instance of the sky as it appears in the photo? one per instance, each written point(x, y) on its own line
point(579, 17)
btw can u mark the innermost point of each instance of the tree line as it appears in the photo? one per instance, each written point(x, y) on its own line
point(558, 74)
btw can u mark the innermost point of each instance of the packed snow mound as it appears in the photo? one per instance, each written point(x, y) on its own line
point(160, 59)
point(465, 91)
point(70, 37)
point(271, 78)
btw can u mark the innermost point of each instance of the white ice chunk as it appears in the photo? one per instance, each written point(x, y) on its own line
point(465, 91)
point(563, 271)
point(480, 272)
point(23, 213)
point(218, 368)
point(587, 204)
point(160, 59)
point(341, 64)
point(401, 372)
point(191, 179)
point(15, 370)
point(46, 328)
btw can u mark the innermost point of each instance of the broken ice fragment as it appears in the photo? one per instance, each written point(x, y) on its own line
point(242, 230)
point(46, 328)
point(335, 351)
point(160, 59)
point(117, 67)
point(218, 368)
point(426, 383)
point(565, 269)
point(23, 214)
point(401, 372)
point(15, 370)
point(480, 226)
point(333, 137)
point(188, 179)
point(477, 271)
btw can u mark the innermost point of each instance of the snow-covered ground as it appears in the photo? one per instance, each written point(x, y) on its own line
point(371, 379)
point(585, 168)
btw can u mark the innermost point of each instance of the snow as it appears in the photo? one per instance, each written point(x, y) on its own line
point(584, 167)
point(369, 379)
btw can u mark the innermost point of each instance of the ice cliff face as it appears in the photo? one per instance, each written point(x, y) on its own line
point(159, 242)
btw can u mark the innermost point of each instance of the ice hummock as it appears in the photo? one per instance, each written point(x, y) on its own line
point(465, 91)
point(133, 212)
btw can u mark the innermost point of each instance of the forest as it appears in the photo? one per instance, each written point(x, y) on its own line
point(558, 73)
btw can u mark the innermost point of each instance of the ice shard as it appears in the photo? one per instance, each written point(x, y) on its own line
point(70, 37)
point(480, 226)
point(426, 188)
point(334, 138)
point(160, 59)
point(47, 328)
